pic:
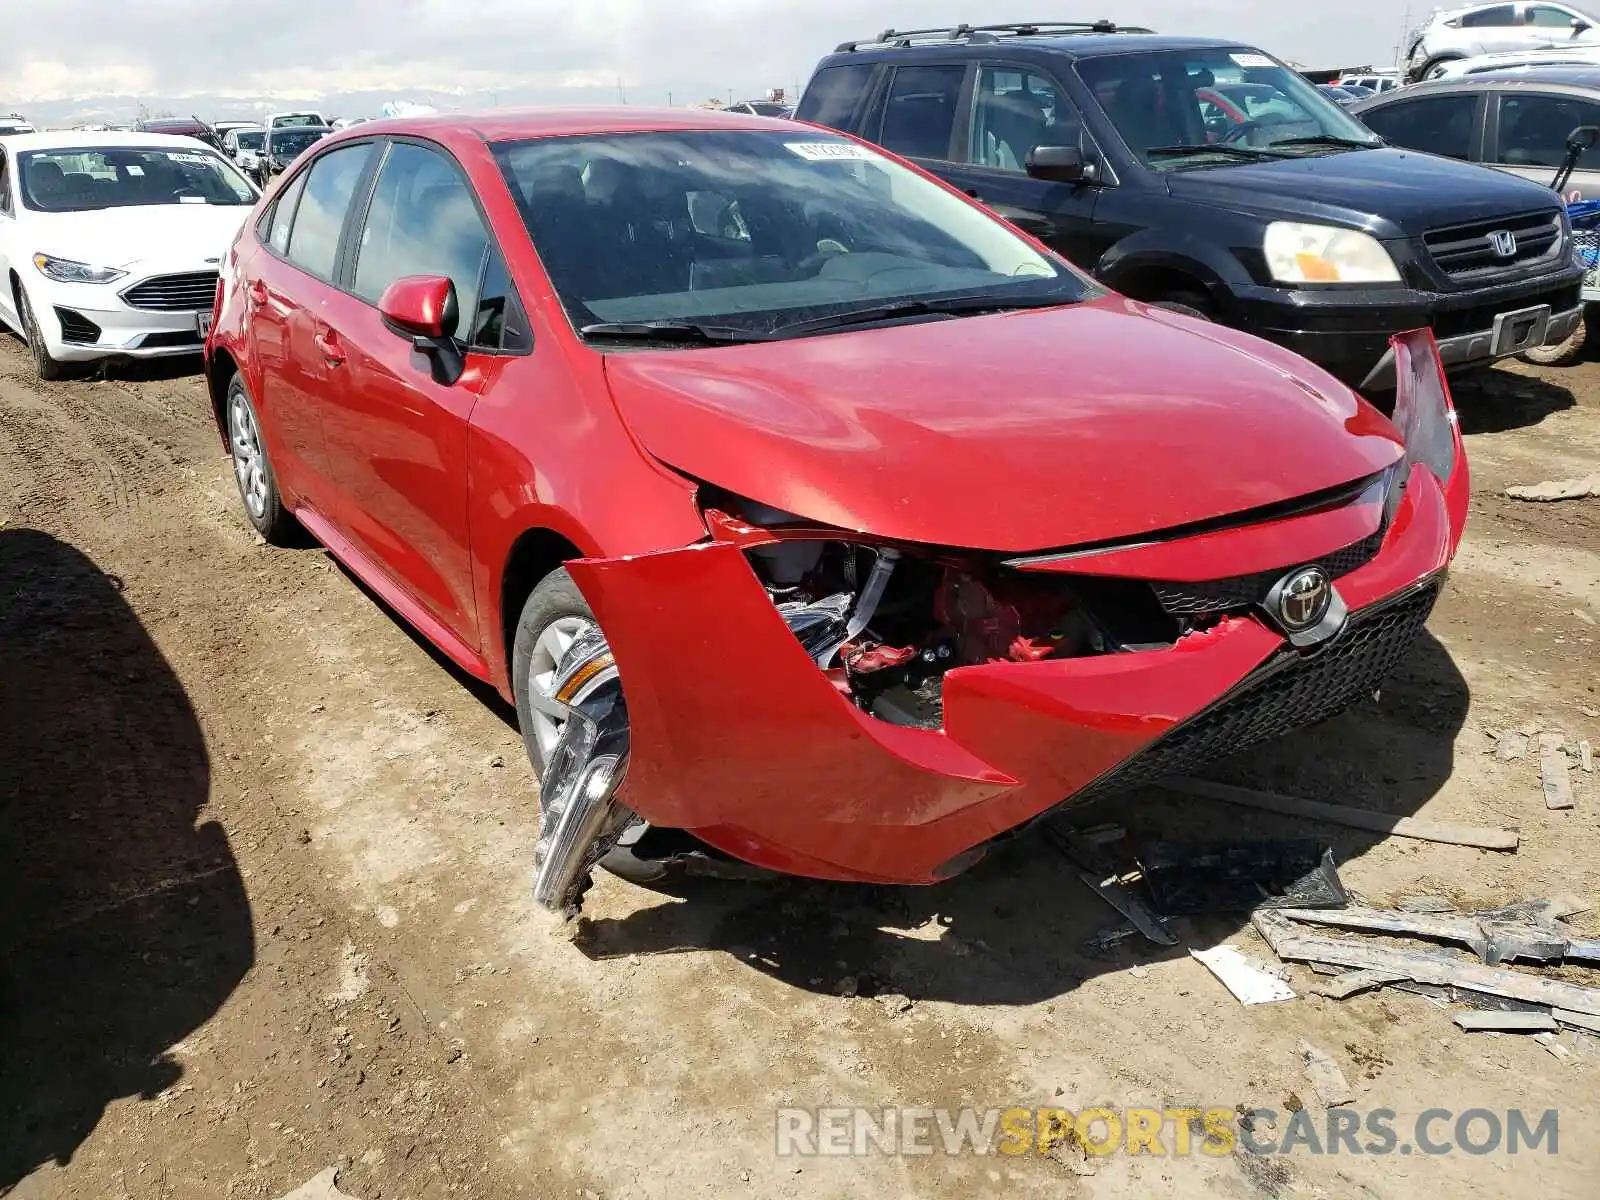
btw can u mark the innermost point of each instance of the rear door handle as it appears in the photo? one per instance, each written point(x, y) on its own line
point(328, 342)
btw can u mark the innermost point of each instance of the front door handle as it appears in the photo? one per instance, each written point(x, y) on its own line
point(328, 342)
point(257, 291)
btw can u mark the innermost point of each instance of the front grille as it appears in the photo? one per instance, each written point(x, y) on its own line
point(1243, 591)
point(193, 291)
point(1292, 691)
point(176, 337)
point(1466, 252)
point(77, 328)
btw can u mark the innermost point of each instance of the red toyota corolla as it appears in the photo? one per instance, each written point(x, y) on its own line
point(812, 516)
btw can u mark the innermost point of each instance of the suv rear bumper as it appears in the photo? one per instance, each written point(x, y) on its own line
point(1347, 333)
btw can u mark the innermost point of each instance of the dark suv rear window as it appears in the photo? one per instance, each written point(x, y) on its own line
point(834, 94)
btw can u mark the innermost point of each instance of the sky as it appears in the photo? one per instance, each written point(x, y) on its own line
point(64, 59)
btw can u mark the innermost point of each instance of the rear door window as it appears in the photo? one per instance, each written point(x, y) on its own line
point(319, 217)
point(919, 116)
point(1443, 125)
point(835, 94)
point(1533, 130)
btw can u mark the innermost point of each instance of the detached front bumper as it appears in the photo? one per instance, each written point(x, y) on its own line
point(738, 737)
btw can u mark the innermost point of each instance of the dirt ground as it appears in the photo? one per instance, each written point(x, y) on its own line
point(264, 906)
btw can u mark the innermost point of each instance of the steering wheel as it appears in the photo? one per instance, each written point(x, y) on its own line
point(1242, 130)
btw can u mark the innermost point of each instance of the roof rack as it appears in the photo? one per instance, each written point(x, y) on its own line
point(986, 33)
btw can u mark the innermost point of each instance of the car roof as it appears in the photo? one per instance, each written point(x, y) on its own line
point(1071, 45)
point(512, 124)
point(71, 139)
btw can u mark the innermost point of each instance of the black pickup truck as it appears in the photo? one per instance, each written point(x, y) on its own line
point(1208, 177)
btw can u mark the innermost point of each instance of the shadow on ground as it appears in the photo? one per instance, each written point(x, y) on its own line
point(123, 924)
point(1495, 401)
point(1016, 929)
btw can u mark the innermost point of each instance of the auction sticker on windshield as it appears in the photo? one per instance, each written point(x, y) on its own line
point(830, 151)
point(1252, 60)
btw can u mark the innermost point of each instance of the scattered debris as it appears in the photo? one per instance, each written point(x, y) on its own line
point(1511, 745)
point(1327, 1080)
point(847, 987)
point(1348, 983)
point(1105, 835)
point(893, 1003)
point(1425, 904)
point(1554, 768)
point(1557, 489)
point(1522, 931)
point(1586, 756)
point(1577, 1020)
point(1356, 818)
point(1098, 872)
point(1549, 1042)
point(321, 1187)
point(1107, 939)
point(1505, 1022)
point(1190, 879)
point(1423, 967)
point(1248, 982)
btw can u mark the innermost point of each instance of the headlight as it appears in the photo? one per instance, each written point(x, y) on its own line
point(64, 270)
point(1298, 253)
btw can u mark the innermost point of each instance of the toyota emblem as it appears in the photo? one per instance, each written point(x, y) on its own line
point(1504, 243)
point(1303, 599)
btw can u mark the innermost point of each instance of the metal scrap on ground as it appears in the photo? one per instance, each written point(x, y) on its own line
point(1531, 932)
point(1557, 489)
point(1505, 1022)
point(1438, 968)
point(1248, 982)
point(1098, 872)
point(1326, 1079)
point(321, 1187)
point(1357, 818)
point(1554, 776)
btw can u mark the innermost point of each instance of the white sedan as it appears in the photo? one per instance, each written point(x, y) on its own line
point(110, 243)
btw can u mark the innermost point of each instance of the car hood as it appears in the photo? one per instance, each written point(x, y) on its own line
point(138, 235)
point(1391, 193)
point(1014, 432)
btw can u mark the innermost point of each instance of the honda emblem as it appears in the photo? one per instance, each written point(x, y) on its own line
point(1504, 243)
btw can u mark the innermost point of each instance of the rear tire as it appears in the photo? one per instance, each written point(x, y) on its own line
point(1563, 353)
point(45, 366)
point(1428, 67)
point(252, 469)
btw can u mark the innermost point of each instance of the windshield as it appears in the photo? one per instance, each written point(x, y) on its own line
point(753, 231)
point(249, 141)
point(81, 178)
point(1239, 102)
point(291, 120)
point(290, 142)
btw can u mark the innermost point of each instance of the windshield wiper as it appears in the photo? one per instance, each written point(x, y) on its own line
point(1248, 152)
point(1328, 139)
point(949, 306)
point(670, 331)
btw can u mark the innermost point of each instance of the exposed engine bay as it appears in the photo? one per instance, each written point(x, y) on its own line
point(885, 625)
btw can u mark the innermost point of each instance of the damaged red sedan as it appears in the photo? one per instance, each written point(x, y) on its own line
point(812, 516)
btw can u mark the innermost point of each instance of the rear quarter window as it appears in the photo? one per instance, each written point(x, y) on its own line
point(835, 95)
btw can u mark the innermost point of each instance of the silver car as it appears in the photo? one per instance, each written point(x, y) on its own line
point(1517, 121)
point(1492, 28)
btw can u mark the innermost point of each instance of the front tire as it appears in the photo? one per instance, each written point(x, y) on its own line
point(252, 469)
point(552, 618)
point(45, 366)
point(1187, 304)
point(1561, 354)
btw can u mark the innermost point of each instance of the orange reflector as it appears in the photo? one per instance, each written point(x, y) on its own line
point(1316, 269)
point(582, 676)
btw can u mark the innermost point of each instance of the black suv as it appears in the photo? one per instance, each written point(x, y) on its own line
point(1208, 177)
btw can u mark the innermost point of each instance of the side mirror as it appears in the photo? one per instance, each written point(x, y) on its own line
point(420, 307)
point(423, 309)
point(1579, 25)
point(1060, 164)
